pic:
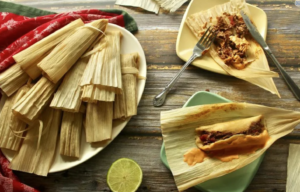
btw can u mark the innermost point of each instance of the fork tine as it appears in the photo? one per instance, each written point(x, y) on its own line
point(210, 40)
point(203, 36)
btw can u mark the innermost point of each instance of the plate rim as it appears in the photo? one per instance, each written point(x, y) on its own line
point(143, 60)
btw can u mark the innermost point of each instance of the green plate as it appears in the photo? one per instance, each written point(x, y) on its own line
point(236, 181)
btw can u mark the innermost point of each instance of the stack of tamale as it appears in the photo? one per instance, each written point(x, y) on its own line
point(79, 62)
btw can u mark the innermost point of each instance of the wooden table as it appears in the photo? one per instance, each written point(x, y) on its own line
point(141, 139)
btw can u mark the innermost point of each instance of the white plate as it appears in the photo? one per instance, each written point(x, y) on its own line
point(129, 44)
point(186, 39)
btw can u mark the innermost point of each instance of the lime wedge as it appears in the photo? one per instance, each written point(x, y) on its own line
point(124, 175)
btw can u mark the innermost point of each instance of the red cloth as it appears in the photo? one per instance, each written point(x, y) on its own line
point(8, 181)
point(19, 32)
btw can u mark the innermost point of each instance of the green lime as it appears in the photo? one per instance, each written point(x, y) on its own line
point(124, 175)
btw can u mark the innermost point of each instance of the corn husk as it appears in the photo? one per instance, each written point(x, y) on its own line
point(178, 129)
point(70, 134)
point(258, 71)
point(30, 57)
point(38, 159)
point(10, 123)
point(94, 93)
point(104, 68)
point(67, 97)
point(98, 123)
point(32, 104)
point(12, 79)
point(170, 5)
point(293, 167)
point(68, 51)
point(126, 104)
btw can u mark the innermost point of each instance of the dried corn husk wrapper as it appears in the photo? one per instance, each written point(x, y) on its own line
point(70, 134)
point(178, 130)
point(258, 71)
point(38, 158)
point(12, 79)
point(32, 104)
point(67, 97)
point(104, 67)
point(98, 122)
point(68, 51)
point(30, 57)
point(126, 104)
point(171, 5)
point(10, 123)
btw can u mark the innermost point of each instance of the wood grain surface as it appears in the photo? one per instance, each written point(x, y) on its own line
point(141, 139)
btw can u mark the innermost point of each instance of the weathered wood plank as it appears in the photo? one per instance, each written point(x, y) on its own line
point(91, 175)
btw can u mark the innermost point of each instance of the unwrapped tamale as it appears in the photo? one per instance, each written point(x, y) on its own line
point(126, 104)
point(10, 123)
point(70, 134)
point(30, 57)
point(38, 159)
point(12, 79)
point(68, 95)
point(68, 51)
point(31, 105)
point(98, 123)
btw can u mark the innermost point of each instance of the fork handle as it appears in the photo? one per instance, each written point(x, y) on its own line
point(288, 80)
point(160, 98)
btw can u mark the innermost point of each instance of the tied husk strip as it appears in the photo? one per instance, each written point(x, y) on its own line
point(12, 79)
point(178, 129)
point(68, 51)
point(293, 167)
point(30, 57)
point(70, 135)
point(31, 105)
point(104, 68)
point(126, 104)
point(10, 125)
point(34, 159)
point(258, 71)
point(98, 123)
point(68, 95)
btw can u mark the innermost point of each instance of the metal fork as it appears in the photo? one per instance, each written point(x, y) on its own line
point(202, 45)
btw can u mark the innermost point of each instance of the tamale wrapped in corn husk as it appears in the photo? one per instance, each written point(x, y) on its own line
point(178, 130)
point(104, 68)
point(94, 93)
point(32, 104)
point(70, 133)
point(10, 123)
point(30, 57)
point(38, 159)
point(98, 122)
point(254, 68)
point(68, 51)
point(12, 79)
point(68, 95)
point(126, 104)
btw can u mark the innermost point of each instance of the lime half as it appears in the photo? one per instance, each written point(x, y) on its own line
point(124, 175)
